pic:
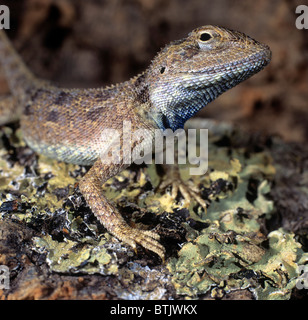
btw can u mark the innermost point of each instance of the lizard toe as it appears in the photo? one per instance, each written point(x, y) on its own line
point(149, 240)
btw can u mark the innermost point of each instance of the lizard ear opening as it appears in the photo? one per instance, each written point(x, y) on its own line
point(162, 70)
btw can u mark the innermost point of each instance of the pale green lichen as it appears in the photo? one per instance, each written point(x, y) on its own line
point(280, 266)
point(76, 257)
point(229, 253)
point(232, 261)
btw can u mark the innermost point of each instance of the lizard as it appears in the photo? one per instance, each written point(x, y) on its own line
point(68, 124)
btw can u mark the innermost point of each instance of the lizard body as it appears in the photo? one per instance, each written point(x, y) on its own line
point(68, 124)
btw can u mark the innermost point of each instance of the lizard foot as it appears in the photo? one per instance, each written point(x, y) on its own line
point(187, 189)
point(145, 238)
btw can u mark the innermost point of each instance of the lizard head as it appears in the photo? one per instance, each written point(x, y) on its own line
point(188, 74)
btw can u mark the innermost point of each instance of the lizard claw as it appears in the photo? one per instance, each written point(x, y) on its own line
point(145, 238)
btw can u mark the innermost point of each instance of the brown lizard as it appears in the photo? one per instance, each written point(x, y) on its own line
point(67, 124)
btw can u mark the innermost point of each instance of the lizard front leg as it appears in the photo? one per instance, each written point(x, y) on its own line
point(108, 215)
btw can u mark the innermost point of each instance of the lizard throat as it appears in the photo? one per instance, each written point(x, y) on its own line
point(191, 91)
point(186, 106)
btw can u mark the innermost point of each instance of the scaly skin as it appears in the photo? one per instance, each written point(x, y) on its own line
point(67, 124)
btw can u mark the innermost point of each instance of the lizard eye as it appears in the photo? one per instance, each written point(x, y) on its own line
point(205, 36)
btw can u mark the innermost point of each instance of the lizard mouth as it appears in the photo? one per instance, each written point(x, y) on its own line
point(228, 73)
point(254, 62)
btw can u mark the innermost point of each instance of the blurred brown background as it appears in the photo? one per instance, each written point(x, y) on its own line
point(98, 42)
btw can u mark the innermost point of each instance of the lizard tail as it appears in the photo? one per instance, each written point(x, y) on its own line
point(18, 76)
